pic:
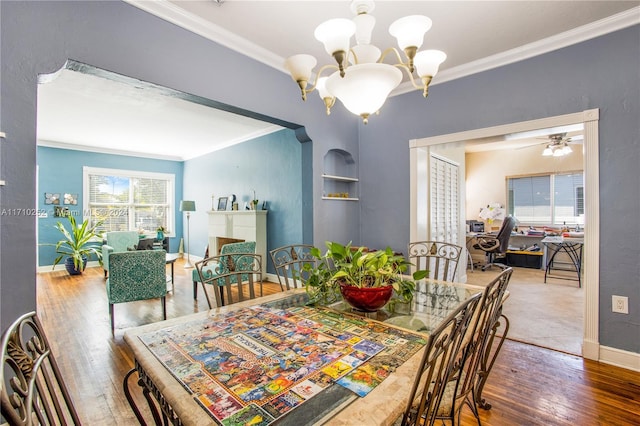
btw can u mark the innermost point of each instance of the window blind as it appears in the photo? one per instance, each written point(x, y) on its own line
point(129, 200)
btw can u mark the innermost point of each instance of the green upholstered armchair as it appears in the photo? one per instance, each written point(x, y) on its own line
point(137, 275)
point(117, 241)
point(231, 248)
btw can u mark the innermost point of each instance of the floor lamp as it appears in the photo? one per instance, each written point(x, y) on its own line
point(188, 206)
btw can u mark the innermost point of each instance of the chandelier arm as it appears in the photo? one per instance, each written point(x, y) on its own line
point(398, 57)
point(410, 74)
point(318, 75)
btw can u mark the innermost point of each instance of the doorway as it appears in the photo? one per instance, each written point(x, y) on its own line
point(419, 153)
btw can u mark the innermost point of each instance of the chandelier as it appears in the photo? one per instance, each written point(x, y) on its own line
point(361, 80)
point(558, 146)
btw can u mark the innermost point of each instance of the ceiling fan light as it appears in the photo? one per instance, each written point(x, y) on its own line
point(364, 89)
point(410, 30)
point(335, 34)
point(558, 152)
point(566, 149)
point(427, 62)
point(547, 152)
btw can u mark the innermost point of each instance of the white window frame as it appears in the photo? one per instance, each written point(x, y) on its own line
point(171, 189)
point(552, 199)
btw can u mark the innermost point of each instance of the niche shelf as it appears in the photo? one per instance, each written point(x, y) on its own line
point(339, 178)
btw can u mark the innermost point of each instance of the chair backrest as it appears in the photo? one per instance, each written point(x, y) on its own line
point(505, 233)
point(136, 275)
point(439, 258)
point(440, 354)
point(32, 389)
point(289, 261)
point(475, 343)
point(122, 240)
point(222, 272)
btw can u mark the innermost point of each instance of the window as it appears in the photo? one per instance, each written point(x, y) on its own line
point(129, 200)
point(553, 199)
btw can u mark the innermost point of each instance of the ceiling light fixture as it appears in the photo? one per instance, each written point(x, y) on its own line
point(558, 146)
point(364, 85)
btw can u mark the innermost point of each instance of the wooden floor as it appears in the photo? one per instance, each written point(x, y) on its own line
point(529, 385)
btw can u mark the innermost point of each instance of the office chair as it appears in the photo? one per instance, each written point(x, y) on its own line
point(496, 246)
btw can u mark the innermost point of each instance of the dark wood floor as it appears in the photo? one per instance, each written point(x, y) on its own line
point(529, 385)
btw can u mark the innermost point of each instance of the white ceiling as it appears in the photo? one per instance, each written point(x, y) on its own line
point(476, 35)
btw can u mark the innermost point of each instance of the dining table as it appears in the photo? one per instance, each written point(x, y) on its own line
point(280, 360)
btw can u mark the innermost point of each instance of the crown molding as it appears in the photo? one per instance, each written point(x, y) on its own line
point(595, 29)
point(103, 150)
point(169, 12)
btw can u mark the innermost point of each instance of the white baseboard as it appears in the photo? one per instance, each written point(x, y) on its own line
point(620, 358)
point(60, 266)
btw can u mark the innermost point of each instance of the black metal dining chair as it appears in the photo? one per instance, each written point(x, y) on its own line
point(32, 390)
point(232, 278)
point(474, 363)
point(439, 258)
point(289, 263)
point(436, 369)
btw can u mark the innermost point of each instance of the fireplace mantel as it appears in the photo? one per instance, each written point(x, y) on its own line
point(248, 225)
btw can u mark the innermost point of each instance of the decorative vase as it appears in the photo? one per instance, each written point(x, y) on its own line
point(71, 268)
point(160, 236)
point(367, 299)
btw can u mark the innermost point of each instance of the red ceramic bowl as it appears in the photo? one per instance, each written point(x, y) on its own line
point(366, 299)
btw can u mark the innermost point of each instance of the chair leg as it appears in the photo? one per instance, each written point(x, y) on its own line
point(111, 318)
point(488, 360)
point(195, 290)
point(164, 307)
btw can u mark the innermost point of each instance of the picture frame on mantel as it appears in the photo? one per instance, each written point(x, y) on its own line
point(222, 203)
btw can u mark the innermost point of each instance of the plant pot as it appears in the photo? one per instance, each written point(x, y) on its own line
point(71, 269)
point(367, 299)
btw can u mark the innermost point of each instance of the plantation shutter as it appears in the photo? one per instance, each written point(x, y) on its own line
point(444, 200)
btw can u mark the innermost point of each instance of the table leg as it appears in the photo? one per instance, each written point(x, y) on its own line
point(162, 417)
point(172, 282)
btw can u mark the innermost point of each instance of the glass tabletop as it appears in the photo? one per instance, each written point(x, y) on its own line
point(433, 302)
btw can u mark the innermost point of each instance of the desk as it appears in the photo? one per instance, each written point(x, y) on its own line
point(572, 247)
point(382, 405)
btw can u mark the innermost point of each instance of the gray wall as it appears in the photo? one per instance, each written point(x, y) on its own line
point(602, 73)
point(38, 37)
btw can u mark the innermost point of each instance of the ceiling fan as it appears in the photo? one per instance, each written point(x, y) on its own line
point(557, 144)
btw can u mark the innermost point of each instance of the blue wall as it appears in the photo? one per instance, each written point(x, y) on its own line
point(60, 171)
point(273, 166)
point(601, 73)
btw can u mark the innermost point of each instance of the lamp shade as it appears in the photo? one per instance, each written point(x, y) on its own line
point(300, 66)
point(427, 62)
point(187, 206)
point(335, 34)
point(410, 30)
point(365, 87)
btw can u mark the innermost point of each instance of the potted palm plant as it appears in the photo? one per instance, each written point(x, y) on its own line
point(80, 242)
point(367, 280)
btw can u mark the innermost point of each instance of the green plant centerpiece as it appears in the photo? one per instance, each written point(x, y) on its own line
point(342, 271)
point(80, 242)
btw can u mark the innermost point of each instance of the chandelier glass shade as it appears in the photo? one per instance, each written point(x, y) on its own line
point(360, 78)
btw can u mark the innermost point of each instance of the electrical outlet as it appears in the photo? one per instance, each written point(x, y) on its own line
point(620, 304)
